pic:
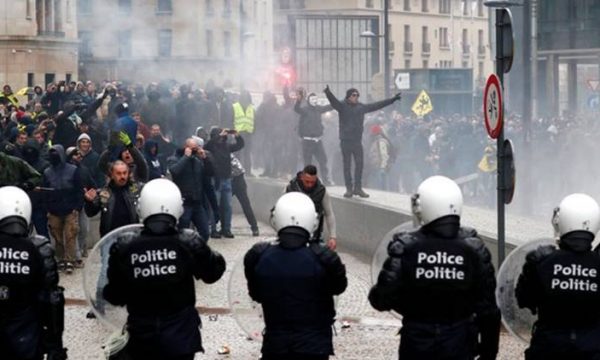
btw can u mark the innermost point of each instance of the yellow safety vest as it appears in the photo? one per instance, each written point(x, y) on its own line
point(243, 121)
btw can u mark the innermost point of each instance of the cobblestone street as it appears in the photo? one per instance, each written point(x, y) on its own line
point(371, 335)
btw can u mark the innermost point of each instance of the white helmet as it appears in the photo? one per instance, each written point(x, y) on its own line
point(160, 196)
point(576, 212)
point(436, 197)
point(294, 209)
point(14, 202)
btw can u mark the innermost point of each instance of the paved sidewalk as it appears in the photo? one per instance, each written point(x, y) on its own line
point(371, 335)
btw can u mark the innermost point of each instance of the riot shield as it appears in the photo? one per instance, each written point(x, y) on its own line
point(246, 312)
point(519, 322)
point(94, 279)
point(381, 253)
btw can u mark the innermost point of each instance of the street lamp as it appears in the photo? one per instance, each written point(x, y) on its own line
point(386, 46)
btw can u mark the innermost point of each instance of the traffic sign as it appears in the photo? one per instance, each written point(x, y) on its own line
point(508, 39)
point(422, 105)
point(593, 84)
point(492, 106)
point(402, 80)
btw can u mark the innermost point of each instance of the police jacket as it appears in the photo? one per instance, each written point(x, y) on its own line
point(352, 116)
point(105, 204)
point(29, 296)
point(295, 284)
point(153, 276)
point(562, 285)
point(310, 124)
point(435, 276)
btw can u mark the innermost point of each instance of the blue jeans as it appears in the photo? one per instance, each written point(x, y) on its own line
point(194, 212)
point(39, 218)
point(224, 194)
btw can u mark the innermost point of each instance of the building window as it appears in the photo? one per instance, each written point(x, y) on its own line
point(164, 7)
point(425, 64)
point(210, 10)
point(480, 8)
point(406, 6)
point(227, 43)
point(369, 4)
point(85, 43)
point(49, 78)
point(30, 84)
point(164, 42)
point(124, 7)
point(69, 13)
point(425, 36)
point(58, 21)
point(284, 4)
point(301, 4)
point(226, 8)
point(68, 78)
point(124, 41)
point(465, 7)
point(480, 70)
point(425, 5)
point(444, 41)
point(445, 6)
point(209, 43)
point(465, 64)
point(466, 49)
point(28, 15)
point(480, 46)
point(407, 64)
point(84, 7)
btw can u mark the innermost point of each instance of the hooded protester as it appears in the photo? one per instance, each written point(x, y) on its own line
point(39, 217)
point(64, 202)
point(124, 121)
point(154, 112)
point(186, 115)
point(156, 168)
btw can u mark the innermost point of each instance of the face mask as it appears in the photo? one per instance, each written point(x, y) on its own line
point(312, 101)
point(54, 159)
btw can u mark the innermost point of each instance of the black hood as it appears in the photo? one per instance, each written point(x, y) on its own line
point(31, 150)
point(578, 241)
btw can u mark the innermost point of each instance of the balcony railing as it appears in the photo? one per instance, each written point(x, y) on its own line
point(466, 50)
point(408, 47)
point(60, 34)
point(426, 49)
point(481, 50)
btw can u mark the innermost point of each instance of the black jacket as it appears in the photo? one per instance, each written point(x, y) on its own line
point(221, 151)
point(167, 326)
point(310, 119)
point(295, 285)
point(416, 277)
point(192, 175)
point(352, 116)
point(105, 204)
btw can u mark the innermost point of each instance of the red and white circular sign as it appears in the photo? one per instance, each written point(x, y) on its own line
point(492, 106)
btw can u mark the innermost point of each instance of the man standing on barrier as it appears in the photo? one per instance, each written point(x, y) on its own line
point(295, 283)
point(307, 182)
point(352, 117)
point(441, 280)
point(31, 302)
point(153, 276)
point(561, 285)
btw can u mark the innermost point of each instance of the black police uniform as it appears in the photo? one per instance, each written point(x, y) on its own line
point(441, 280)
point(295, 284)
point(153, 275)
point(563, 287)
point(31, 303)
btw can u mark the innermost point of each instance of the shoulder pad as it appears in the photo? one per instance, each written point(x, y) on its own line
point(43, 245)
point(475, 243)
point(467, 232)
point(123, 240)
point(261, 247)
point(537, 255)
point(401, 241)
point(190, 237)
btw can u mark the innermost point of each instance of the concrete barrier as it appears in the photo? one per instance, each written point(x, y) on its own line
point(361, 225)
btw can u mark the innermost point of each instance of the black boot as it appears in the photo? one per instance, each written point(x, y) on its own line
point(361, 193)
point(348, 193)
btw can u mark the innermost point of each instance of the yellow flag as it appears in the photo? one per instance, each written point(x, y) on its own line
point(422, 105)
point(23, 91)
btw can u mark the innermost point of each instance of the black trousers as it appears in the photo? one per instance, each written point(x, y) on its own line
point(572, 344)
point(352, 149)
point(420, 341)
point(239, 189)
point(310, 149)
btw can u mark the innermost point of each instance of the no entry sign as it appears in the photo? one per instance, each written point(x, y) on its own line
point(492, 106)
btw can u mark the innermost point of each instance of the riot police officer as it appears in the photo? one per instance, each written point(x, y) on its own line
point(441, 280)
point(295, 282)
point(561, 285)
point(31, 302)
point(153, 275)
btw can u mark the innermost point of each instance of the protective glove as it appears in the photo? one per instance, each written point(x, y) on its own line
point(397, 97)
point(57, 354)
point(124, 138)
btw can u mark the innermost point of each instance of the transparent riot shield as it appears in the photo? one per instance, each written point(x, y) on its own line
point(381, 254)
point(94, 279)
point(519, 322)
point(246, 312)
